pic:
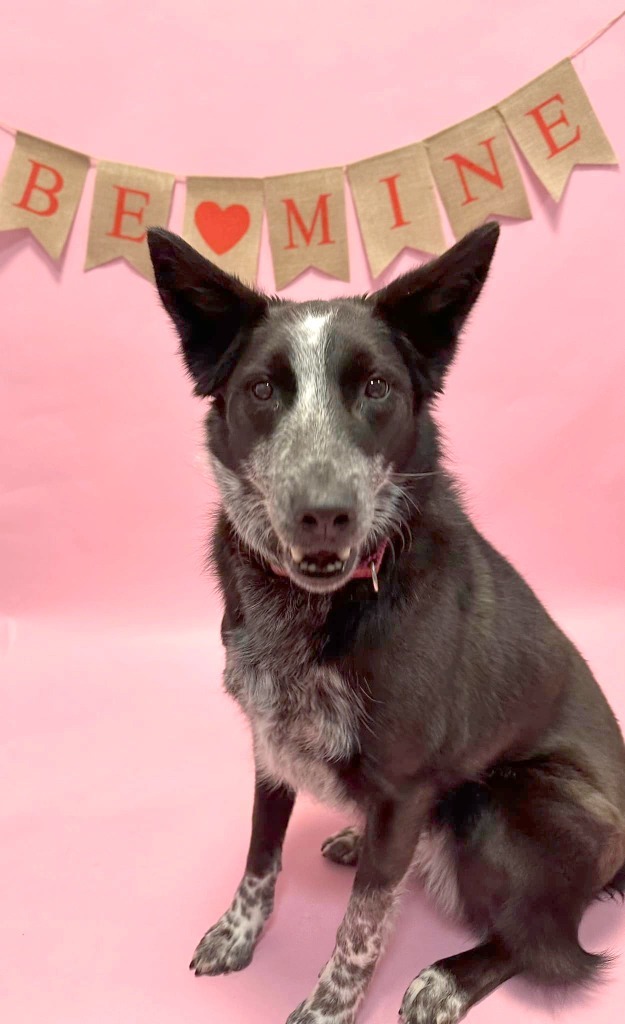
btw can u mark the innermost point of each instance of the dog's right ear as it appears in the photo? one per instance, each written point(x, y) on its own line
point(211, 310)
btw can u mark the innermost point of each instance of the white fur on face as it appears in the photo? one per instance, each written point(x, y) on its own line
point(309, 345)
point(310, 450)
point(308, 444)
point(246, 509)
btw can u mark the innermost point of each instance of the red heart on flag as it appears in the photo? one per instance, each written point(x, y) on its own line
point(222, 229)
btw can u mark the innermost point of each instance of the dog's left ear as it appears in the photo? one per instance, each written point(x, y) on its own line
point(428, 307)
point(211, 310)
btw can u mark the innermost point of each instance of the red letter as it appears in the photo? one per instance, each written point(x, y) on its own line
point(321, 210)
point(51, 191)
point(461, 163)
point(546, 129)
point(391, 184)
point(121, 212)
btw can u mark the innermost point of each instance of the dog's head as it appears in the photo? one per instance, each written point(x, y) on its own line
point(319, 408)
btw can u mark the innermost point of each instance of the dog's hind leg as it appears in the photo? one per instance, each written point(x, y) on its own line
point(533, 846)
point(444, 992)
point(229, 945)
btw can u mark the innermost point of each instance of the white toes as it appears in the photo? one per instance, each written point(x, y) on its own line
point(223, 949)
point(433, 998)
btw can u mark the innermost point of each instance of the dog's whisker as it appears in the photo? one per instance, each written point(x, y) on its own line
point(415, 476)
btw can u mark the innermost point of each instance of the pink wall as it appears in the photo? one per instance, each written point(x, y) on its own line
point(102, 509)
point(128, 767)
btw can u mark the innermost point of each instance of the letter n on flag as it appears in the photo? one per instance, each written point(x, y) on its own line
point(126, 201)
point(555, 127)
point(41, 191)
point(307, 228)
point(476, 172)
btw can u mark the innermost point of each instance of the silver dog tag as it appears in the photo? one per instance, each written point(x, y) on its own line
point(374, 578)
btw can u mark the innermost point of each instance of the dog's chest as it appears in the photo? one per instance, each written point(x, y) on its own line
point(305, 725)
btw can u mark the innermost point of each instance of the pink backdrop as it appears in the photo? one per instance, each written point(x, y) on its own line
point(123, 831)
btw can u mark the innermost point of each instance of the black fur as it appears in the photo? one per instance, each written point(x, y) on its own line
point(479, 717)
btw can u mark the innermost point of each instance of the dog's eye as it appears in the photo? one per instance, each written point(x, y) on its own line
point(262, 390)
point(377, 387)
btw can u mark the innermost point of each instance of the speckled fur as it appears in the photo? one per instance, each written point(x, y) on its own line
point(343, 982)
point(229, 945)
point(301, 725)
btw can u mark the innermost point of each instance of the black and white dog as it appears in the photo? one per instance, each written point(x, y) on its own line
point(388, 658)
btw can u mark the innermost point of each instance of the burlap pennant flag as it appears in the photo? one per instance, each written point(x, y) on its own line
point(126, 201)
point(41, 191)
point(396, 205)
point(223, 220)
point(555, 127)
point(476, 172)
point(307, 228)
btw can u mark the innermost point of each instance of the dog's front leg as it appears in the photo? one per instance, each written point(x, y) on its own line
point(229, 945)
point(390, 837)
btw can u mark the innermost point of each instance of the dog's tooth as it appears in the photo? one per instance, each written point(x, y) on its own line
point(297, 554)
point(312, 567)
point(344, 554)
point(304, 566)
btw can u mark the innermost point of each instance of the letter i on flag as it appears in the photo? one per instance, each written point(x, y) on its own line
point(396, 205)
point(41, 191)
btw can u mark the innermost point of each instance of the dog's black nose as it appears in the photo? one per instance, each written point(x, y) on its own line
point(325, 525)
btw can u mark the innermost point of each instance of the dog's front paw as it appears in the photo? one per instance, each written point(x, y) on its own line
point(303, 1015)
point(343, 848)
point(224, 948)
point(433, 998)
point(312, 1012)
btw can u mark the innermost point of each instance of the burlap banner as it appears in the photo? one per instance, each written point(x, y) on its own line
point(223, 219)
point(555, 127)
point(476, 173)
point(41, 191)
point(473, 166)
point(126, 201)
point(306, 217)
point(396, 205)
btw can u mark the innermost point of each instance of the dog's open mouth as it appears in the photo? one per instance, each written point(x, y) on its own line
point(327, 570)
point(321, 564)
